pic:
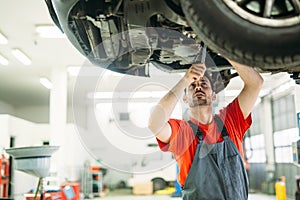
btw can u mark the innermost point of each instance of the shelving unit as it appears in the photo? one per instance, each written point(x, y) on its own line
point(92, 181)
point(97, 182)
point(5, 175)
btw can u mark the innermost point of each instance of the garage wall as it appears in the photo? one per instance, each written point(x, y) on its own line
point(27, 133)
point(274, 157)
point(4, 141)
point(257, 176)
point(75, 154)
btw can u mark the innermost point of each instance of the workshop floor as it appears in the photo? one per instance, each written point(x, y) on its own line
point(127, 195)
point(165, 197)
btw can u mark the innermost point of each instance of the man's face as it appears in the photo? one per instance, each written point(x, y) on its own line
point(199, 93)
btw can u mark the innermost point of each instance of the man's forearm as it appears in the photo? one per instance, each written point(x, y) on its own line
point(252, 85)
point(163, 110)
point(249, 75)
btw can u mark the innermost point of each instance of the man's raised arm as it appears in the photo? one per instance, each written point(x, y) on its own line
point(252, 85)
point(158, 122)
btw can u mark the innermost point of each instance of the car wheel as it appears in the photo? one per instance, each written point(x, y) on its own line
point(121, 185)
point(258, 33)
point(158, 184)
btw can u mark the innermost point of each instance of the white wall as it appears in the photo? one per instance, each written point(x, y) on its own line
point(74, 154)
point(120, 144)
point(5, 139)
point(27, 133)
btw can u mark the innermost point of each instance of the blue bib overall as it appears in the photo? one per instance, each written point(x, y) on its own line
point(217, 171)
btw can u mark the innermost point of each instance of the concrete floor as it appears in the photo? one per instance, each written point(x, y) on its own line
point(166, 197)
point(126, 195)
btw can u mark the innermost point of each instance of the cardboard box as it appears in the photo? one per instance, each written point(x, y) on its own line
point(143, 188)
point(30, 196)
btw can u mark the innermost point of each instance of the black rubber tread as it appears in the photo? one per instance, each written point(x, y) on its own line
point(158, 184)
point(207, 31)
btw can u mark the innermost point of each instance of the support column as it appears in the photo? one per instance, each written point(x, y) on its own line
point(268, 133)
point(297, 98)
point(58, 119)
point(297, 103)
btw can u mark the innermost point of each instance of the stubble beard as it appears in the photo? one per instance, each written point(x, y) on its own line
point(199, 102)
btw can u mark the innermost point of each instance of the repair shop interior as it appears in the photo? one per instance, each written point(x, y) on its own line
point(95, 101)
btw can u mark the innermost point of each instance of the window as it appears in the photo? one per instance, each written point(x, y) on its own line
point(284, 126)
point(255, 141)
point(255, 149)
point(283, 113)
point(283, 145)
point(255, 128)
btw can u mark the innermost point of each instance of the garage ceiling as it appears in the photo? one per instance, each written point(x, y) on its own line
point(19, 84)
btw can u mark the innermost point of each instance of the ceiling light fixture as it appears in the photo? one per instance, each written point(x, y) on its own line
point(127, 95)
point(3, 39)
point(46, 83)
point(49, 31)
point(84, 70)
point(3, 60)
point(21, 56)
point(73, 70)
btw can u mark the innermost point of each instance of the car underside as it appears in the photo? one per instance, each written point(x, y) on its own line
point(126, 35)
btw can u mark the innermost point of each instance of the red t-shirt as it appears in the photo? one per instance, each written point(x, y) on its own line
point(183, 141)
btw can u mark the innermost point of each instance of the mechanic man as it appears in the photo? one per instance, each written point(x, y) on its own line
point(208, 147)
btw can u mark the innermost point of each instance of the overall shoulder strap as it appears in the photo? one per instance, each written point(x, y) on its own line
point(221, 126)
point(196, 130)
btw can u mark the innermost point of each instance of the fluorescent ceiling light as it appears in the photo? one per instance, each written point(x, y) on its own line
point(73, 70)
point(101, 95)
point(84, 70)
point(284, 87)
point(3, 60)
point(148, 94)
point(46, 83)
point(49, 31)
point(137, 95)
point(110, 73)
point(158, 94)
point(21, 56)
point(3, 39)
point(127, 95)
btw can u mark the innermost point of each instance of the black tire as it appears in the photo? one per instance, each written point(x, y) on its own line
point(231, 35)
point(158, 184)
point(121, 185)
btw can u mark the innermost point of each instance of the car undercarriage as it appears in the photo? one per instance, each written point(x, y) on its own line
point(126, 35)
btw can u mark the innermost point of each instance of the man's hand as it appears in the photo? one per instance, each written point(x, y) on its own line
point(194, 73)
